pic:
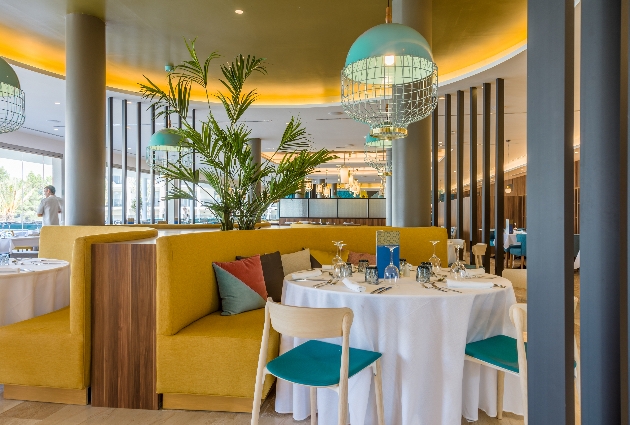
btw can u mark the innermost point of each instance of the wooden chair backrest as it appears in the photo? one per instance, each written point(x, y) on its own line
point(309, 323)
point(479, 250)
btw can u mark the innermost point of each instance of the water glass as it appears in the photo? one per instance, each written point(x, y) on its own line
point(346, 270)
point(362, 266)
point(4, 259)
point(402, 264)
point(423, 273)
point(371, 275)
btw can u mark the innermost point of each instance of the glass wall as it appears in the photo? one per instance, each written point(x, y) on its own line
point(22, 180)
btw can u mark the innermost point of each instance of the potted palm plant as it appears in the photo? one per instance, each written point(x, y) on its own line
point(242, 189)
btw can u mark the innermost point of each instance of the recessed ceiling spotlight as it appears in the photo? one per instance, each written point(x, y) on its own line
point(128, 149)
point(56, 129)
point(60, 121)
point(57, 103)
point(336, 113)
point(441, 97)
point(238, 11)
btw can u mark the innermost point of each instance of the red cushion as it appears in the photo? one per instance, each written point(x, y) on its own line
point(249, 271)
point(354, 257)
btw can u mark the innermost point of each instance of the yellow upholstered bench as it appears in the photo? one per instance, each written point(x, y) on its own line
point(206, 361)
point(47, 358)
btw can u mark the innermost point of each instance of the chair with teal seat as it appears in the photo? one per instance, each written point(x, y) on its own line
point(316, 364)
point(521, 249)
point(506, 355)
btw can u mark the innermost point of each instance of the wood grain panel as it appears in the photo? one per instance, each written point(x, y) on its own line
point(123, 326)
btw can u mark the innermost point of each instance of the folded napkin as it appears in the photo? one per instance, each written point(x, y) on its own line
point(327, 267)
point(351, 284)
point(468, 284)
point(306, 274)
point(475, 272)
point(9, 270)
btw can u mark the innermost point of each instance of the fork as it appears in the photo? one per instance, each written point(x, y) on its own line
point(328, 282)
point(496, 285)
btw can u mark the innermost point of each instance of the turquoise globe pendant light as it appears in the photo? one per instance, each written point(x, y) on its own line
point(389, 80)
point(11, 99)
point(376, 155)
point(165, 147)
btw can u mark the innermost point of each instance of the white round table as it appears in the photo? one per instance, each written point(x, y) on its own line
point(40, 286)
point(422, 334)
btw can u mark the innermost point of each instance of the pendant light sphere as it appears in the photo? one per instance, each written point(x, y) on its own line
point(389, 80)
point(12, 101)
point(165, 147)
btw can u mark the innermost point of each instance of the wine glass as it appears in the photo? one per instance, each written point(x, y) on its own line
point(436, 264)
point(338, 263)
point(458, 265)
point(337, 258)
point(391, 273)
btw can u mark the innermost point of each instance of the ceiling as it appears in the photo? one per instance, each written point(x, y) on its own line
point(305, 42)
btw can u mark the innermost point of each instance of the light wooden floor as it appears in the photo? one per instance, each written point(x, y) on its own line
point(31, 413)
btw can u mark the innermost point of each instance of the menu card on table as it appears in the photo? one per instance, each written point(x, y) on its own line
point(385, 239)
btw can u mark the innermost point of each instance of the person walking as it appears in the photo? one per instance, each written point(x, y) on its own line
point(50, 207)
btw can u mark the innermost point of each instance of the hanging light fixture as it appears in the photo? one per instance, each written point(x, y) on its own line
point(344, 172)
point(12, 102)
point(164, 148)
point(376, 155)
point(389, 79)
point(308, 185)
point(508, 188)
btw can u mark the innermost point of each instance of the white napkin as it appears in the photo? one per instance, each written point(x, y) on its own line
point(475, 272)
point(327, 267)
point(306, 274)
point(351, 284)
point(468, 284)
point(9, 270)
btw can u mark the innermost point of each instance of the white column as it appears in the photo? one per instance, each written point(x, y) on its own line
point(85, 120)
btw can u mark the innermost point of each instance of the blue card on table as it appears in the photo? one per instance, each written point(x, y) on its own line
point(385, 238)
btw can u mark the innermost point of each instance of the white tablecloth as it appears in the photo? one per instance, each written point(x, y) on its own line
point(43, 289)
point(9, 244)
point(509, 239)
point(422, 335)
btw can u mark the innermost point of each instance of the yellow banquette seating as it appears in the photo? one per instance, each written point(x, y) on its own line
point(47, 358)
point(206, 361)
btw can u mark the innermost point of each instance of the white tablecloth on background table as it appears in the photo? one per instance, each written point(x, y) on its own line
point(9, 244)
point(509, 239)
point(422, 334)
point(28, 294)
point(576, 263)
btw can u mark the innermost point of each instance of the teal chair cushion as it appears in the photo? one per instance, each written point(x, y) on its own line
point(317, 363)
point(498, 350)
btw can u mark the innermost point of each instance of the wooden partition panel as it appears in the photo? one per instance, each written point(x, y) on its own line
point(123, 326)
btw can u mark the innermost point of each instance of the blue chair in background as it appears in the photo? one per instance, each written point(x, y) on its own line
point(519, 250)
point(492, 238)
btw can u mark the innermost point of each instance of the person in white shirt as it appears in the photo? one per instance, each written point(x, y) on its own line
point(50, 207)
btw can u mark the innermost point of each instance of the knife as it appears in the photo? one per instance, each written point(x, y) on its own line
point(385, 289)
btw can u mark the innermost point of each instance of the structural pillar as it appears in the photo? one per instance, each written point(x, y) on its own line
point(603, 213)
point(411, 165)
point(474, 231)
point(85, 120)
point(550, 111)
point(388, 190)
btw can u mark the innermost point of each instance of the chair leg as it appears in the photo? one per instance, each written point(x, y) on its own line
point(378, 389)
point(260, 381)
point(313, 405)
point(500, 386)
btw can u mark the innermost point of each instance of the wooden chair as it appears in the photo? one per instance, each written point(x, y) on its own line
point(479, 250)
point(506, 354)
point(315, 364)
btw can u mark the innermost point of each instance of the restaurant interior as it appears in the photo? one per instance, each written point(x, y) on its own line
point(275, 213)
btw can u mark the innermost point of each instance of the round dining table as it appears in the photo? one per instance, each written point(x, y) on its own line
point(422, 334)
point(32, 287)
point(9, 244)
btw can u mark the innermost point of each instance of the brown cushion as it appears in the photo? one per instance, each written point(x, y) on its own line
point(273, 274)
point(354, 257)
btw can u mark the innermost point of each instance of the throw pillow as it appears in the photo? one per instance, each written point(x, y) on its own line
point(241, 285)
point(296, 261)
point(325, 257)
point(354, 257)
point(273, 274)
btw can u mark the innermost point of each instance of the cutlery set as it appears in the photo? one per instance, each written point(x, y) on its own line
point(381, 290)
point(328, 282)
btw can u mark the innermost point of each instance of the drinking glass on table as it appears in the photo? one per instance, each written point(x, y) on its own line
point(436, 264)
point(391, 273)
point(362, 266)
point(371, 275)
point(4, 259)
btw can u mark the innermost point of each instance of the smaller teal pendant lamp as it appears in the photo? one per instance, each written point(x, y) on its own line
point(165, 147)
point(12, 104)
point(376, 155)
point(389, 80)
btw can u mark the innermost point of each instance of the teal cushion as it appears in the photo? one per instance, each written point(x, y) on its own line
point(236, 296)
point(498, 350)
point(317, 364)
